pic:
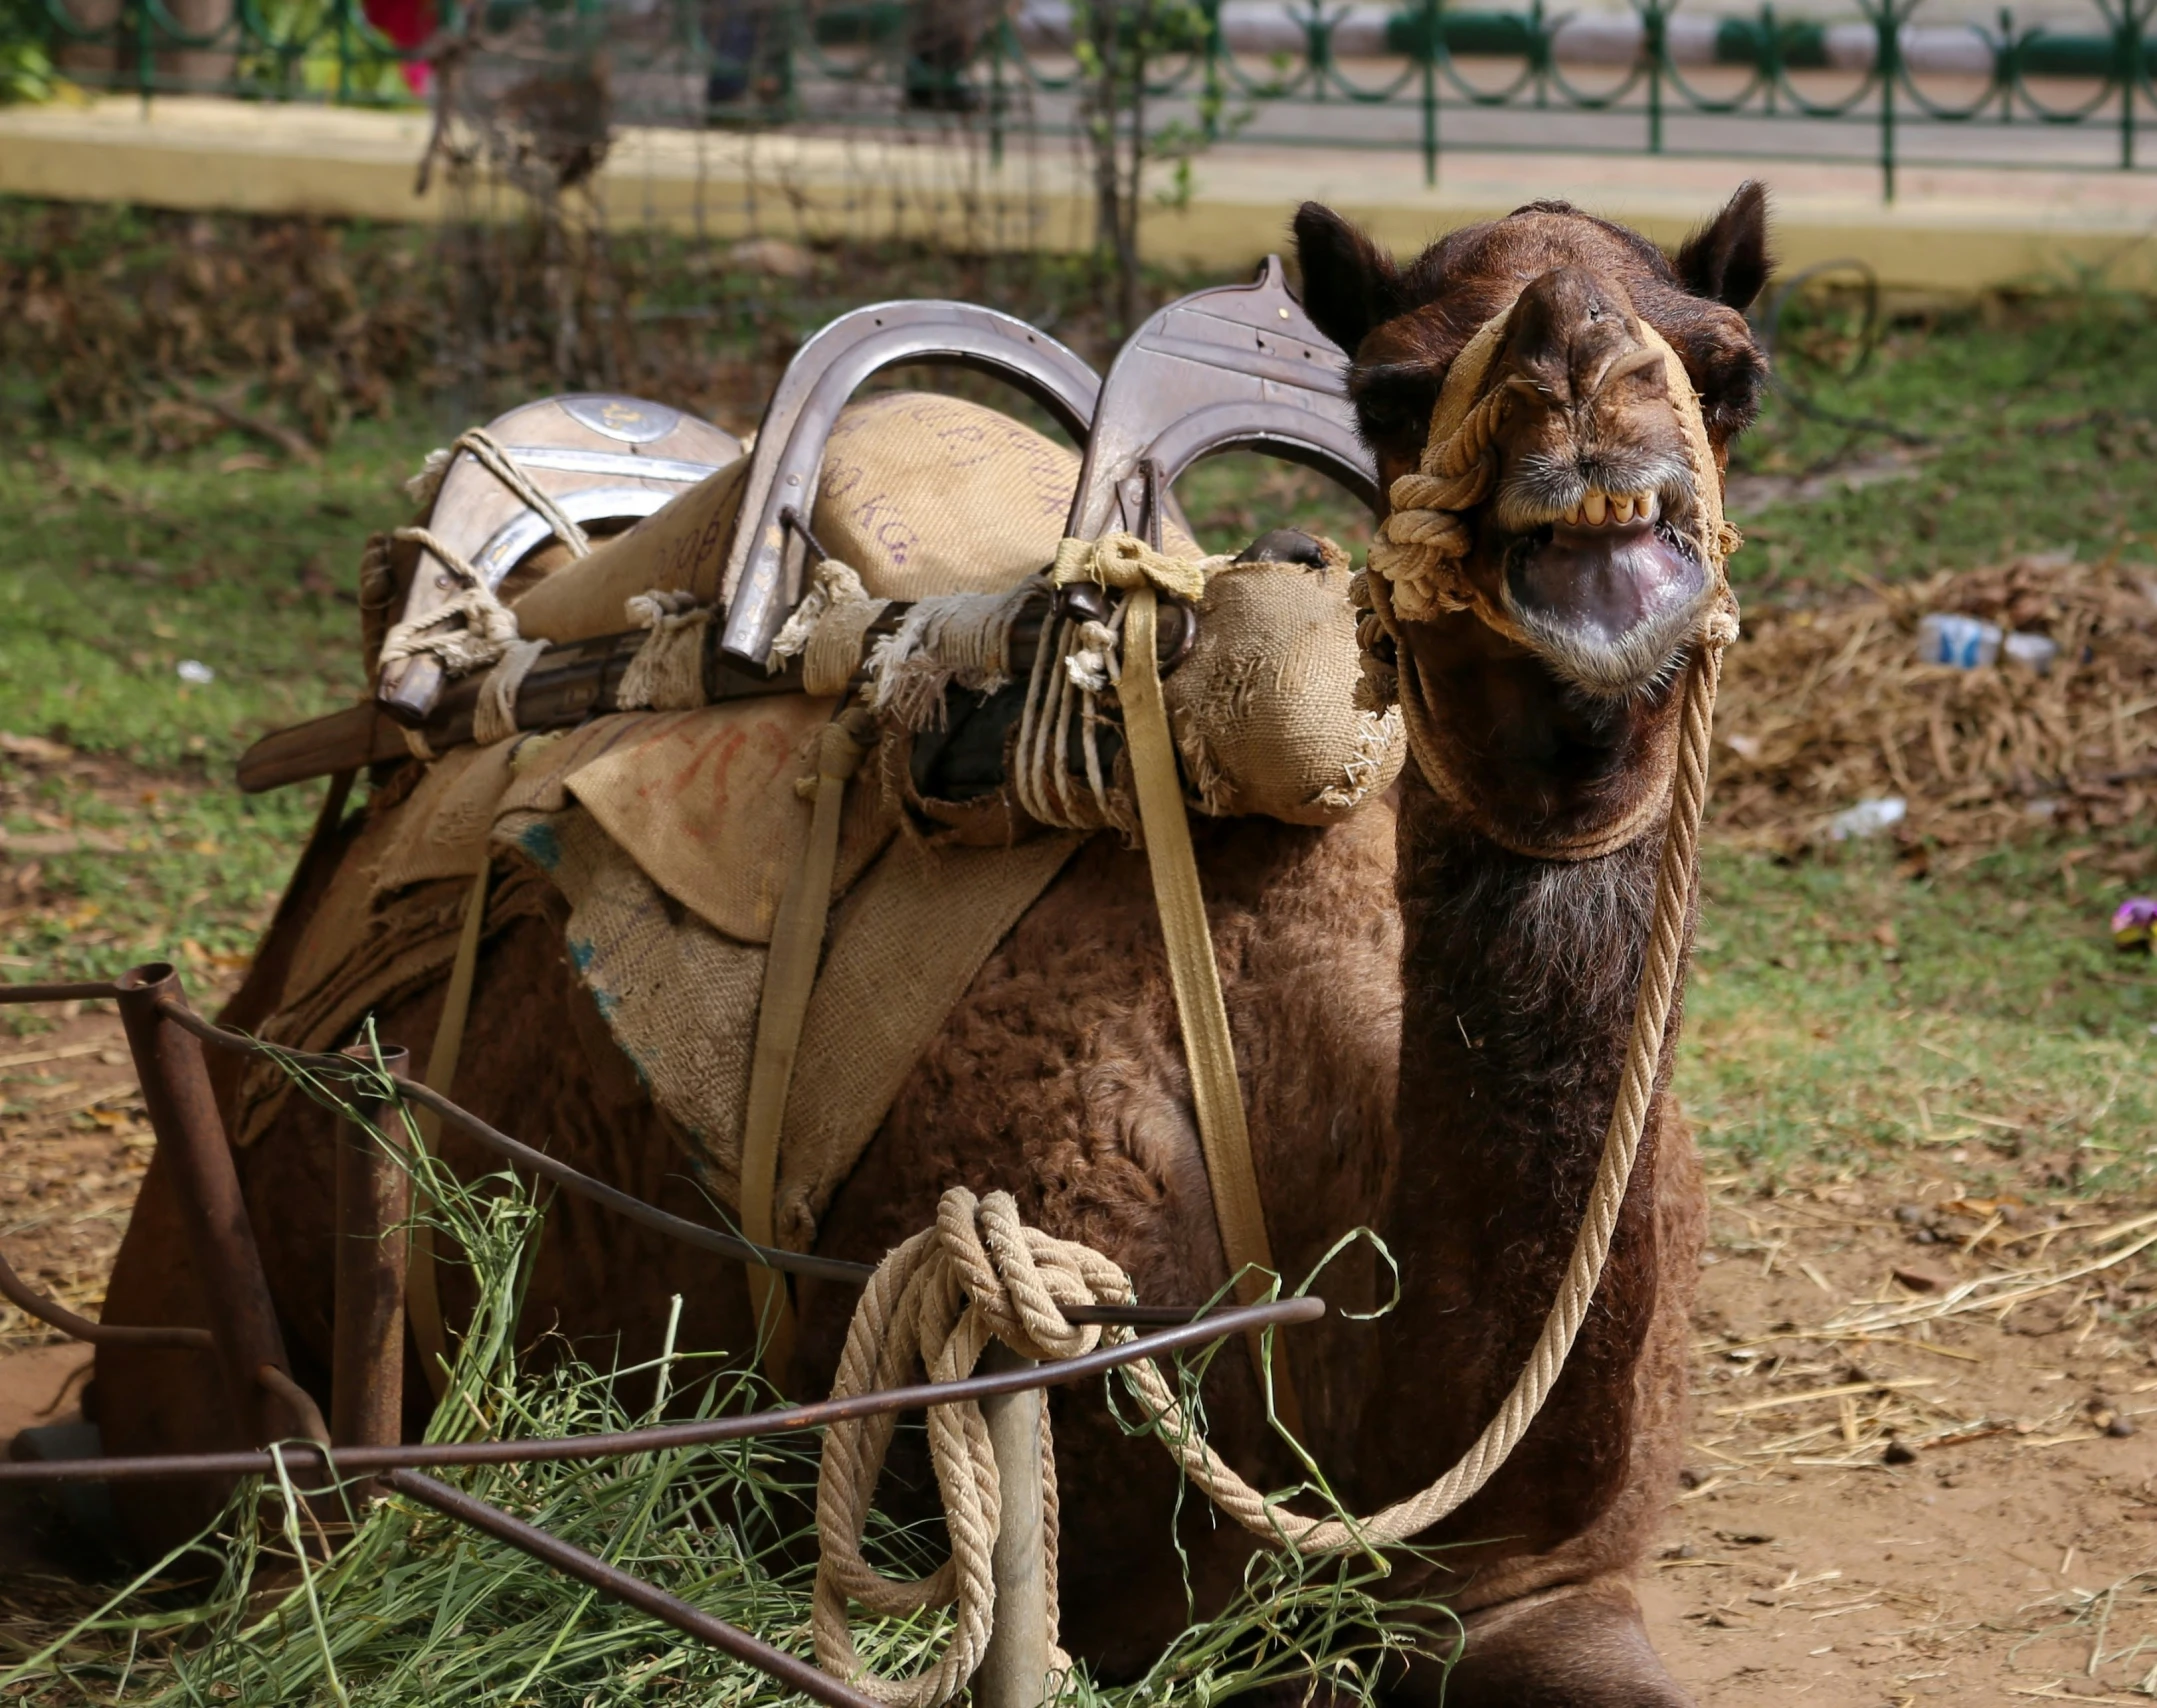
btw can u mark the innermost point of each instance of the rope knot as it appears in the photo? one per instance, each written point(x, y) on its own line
point(1124, 561)
point(978, 1274)
point(1019, 1278)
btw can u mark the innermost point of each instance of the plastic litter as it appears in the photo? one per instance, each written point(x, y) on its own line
point(1868, 818)
point(195, 671)
point(2133, 923)
point(1948, 637)
point(2033, 652)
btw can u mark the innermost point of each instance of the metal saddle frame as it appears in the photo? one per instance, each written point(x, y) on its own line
point(1235, 367)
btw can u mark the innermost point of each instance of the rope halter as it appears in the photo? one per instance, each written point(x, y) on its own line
point(1418, 572)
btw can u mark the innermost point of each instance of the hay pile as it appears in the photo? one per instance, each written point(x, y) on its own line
point(1822, 709)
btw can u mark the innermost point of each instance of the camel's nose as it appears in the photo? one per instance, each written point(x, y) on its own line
point(1570, 330)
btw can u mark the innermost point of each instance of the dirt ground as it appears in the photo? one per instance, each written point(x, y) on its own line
point(1901, 1488)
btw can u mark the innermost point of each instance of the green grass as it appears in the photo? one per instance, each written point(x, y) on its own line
point(416, 1608)
point(1975, 1025)
point(123, 567)
point(2034, 426)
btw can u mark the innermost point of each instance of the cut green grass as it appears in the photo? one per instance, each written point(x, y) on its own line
point(416, 1608)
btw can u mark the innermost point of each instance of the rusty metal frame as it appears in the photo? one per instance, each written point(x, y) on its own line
point(374, 1200)
point(166, 1037)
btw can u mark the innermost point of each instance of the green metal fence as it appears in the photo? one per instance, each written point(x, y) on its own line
point(1892, 83)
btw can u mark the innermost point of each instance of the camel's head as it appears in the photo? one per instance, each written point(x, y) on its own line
point(1584, 548)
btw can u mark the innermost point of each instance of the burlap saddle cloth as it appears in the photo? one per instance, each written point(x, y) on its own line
point(673, 834)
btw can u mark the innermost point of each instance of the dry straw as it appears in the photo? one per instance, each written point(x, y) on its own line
point(1821, 709)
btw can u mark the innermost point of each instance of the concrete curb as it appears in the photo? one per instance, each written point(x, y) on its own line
point(1951, 230)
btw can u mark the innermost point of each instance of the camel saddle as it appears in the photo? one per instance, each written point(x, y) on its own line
point(825, 688)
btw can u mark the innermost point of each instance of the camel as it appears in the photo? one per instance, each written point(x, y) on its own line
point(1429, 1027)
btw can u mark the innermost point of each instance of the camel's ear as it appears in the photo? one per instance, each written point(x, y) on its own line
point(1349, 284)
point(1727, 259)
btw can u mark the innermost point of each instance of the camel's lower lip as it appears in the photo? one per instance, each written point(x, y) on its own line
point(1623, 592)
point(1601, 584)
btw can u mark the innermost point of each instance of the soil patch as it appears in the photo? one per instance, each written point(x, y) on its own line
point(1954, 1507)
point(74, 1141)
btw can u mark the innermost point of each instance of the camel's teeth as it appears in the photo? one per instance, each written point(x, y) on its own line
point(1595, 506)
point(1572, 517)
point(1645, 505)
point(1621, 507)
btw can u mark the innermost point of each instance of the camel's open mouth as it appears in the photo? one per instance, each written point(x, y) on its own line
point(1605, 586)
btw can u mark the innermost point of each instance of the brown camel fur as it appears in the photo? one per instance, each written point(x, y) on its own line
point(1429, 1030)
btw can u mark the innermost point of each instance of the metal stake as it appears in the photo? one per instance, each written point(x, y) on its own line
point(1014, 1669)
point(374, 1196)
point(176, 1090)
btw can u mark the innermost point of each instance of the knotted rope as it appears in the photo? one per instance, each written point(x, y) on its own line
point(1077, 661)
point(978, 1274)
point(472, 628)
point(494, 457)
point(494, 713)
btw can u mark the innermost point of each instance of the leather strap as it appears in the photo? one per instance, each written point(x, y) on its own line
point(422, 1299)
point(797, 944)
point(1216, 1094)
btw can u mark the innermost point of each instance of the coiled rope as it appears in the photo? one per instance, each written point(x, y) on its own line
point(979, 1273)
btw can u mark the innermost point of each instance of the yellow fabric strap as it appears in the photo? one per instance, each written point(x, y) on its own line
point(797, 943)
point(422, 1299)
point(1216, 1095)
point(1125, 560)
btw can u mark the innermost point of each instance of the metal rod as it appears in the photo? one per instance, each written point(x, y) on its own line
point(666, 1437)
point(25, 1297)
point(191, 1137)
point(1014, 1667)
point(374, 1196)
point(790, 1670)
point(79, 992)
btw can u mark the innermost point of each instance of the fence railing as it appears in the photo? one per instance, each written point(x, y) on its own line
point(1892, 83)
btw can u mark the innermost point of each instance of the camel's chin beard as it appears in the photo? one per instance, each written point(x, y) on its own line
point(1610, 609)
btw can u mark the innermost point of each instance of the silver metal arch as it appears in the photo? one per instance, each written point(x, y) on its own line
point(1238, 367)
point(761, 583)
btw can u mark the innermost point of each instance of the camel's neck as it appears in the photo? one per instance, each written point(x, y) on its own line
point(1518, 985)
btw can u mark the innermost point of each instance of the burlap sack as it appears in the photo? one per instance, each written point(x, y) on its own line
point(1263, 708)
point(925, 494)
point(682, 547)
point(681, 999)
point(705, 802)
point(441, 830)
